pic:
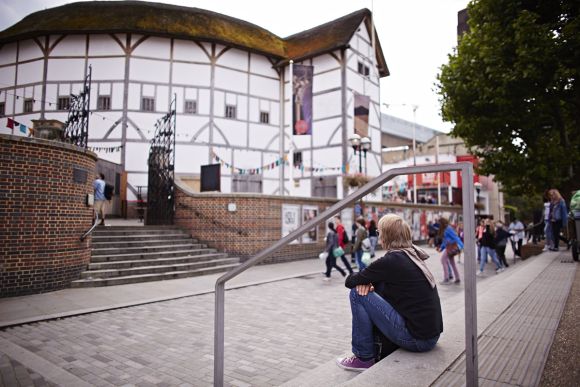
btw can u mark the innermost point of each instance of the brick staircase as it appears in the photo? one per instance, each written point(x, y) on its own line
point(130, 254)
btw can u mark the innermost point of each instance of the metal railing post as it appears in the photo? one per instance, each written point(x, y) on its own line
point(470, 290)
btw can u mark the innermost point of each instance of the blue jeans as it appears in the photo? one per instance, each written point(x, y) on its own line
point(371, 310)
point(359, 262)
point(374, 240)
point(484, 253)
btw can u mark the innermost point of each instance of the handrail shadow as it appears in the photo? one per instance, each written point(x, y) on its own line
point(466, 170)
point(86, 234)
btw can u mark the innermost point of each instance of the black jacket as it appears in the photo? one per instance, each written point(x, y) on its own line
point(402, 284)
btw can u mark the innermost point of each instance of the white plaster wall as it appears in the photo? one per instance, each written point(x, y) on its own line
point(262, 135)
point(134, 100)
point(65, 69)
point(327, 131)
point(190, 158)
point(231, 80)
point(188, 51)
point(242, 103)
point(326, 105)
point(325, 81)
point(152, 47)
point(100, 44)
point(71, 45)
point(188, 126)
point(107, 68)
point(203, 105)
point(264, 87)
point(145, 122)
point(7, 76)
point(191, 74)
point(117, 96)
point(261, 65)
point(163, 99)
point(234, 131)
point(139, 153)
point(28, 49)
point(326, 62)
point(147, 70)
point(235, 58)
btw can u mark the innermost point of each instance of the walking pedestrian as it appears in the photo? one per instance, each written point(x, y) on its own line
point(100, 200)
point(558, 218)
point(516, 230)
point(501, 237)
point(488, 248)
point(451, 245)
point(547, 224)
point(396, 294)
point(342, 242)
point(360, 235)
point(331, 246)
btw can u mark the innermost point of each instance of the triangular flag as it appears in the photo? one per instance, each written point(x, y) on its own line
point(23, 128)
point(10, 123)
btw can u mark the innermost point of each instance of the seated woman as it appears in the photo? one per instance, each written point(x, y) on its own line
point(397, 294)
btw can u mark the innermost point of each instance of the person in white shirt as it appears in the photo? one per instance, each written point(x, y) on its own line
point(517, 230)
point(547, 223)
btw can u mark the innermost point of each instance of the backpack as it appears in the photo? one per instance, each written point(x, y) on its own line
point(345, 239)
point(109, 191)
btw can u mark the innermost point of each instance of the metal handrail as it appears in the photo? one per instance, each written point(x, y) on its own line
point(92, 228)
point(466, 170)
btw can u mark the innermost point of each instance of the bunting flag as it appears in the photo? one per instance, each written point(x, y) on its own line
point(12, 124)
point(251, 171)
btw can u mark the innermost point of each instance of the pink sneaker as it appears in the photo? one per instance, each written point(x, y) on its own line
point(353, 363)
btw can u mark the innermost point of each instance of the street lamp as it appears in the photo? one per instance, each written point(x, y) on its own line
point(360, 145)
point(477, 186)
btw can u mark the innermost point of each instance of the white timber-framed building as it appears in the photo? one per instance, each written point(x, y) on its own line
point(230, 79)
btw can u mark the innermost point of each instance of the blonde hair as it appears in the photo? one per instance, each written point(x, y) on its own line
point(555, 195)
point(394, 232)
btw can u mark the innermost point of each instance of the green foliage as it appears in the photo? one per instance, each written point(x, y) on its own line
point(511, 89)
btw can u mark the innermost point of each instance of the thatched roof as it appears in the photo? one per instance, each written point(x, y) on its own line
point(188, 23)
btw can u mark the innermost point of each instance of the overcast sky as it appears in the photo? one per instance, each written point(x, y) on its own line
point(416, 37)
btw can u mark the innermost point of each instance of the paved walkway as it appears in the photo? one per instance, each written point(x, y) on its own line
point(282, 321)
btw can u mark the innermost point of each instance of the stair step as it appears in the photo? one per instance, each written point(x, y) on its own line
point(162, 246)
point(156, 269)
point(144, 243)
point(152, 262)
point(86, 283)
point(137, 231)
point(160, 254)
point(140, 237)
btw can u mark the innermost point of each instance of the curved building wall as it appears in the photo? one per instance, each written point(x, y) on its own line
point(44, 213)
point(136, 76)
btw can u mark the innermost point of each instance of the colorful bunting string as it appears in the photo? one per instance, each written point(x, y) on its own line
point(252, 171)
point(13, 124)
point(105, 149)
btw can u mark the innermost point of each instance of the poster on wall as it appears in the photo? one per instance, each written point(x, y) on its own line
point(361, 114)
point(302, 100)
point(290, 219)
point(309, 213)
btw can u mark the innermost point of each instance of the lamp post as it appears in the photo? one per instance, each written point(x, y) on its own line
point(477, 186)
point(360, 145)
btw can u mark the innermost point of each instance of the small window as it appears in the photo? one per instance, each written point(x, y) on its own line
point(230, 111)
point(264, 117)
point(363, 69)
point(63, 103)
point(104, 102)
point(190, 107)
point(148, 104)
point(28, 105)
point(2, 109)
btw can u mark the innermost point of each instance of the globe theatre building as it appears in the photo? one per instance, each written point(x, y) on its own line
point(230, 80)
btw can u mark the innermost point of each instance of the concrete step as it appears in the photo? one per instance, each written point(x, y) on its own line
point(139, 237)
point(86, 283)
point(144, 243)
point(152, 262)
point(163, 246)
point(154, 255)
point(137, 231)
point(157, 269)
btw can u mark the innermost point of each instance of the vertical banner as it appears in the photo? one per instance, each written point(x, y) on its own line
point(361, 114)
point(290, 219)
point(302, 100)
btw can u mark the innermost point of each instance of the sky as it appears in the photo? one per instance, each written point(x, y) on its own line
point(416, 37)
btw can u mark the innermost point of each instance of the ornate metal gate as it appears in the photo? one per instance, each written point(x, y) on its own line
point(77, 124)
point(160, 190)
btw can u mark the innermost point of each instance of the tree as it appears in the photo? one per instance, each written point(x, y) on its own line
point(511, 89)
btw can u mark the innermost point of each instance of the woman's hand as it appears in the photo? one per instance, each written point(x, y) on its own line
point(363, 290)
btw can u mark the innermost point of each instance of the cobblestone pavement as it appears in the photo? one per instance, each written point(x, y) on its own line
point(12, 373)
point(273, 333)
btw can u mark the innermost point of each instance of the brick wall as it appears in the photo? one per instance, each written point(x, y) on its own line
point(257, 221)
point(43, 214)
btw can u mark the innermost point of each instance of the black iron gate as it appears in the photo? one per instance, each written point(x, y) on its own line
point(160, 190)
point(76, 127)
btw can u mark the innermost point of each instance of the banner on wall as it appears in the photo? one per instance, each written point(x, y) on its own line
point(290, 219)
point(361, 114)
point(302, 100)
